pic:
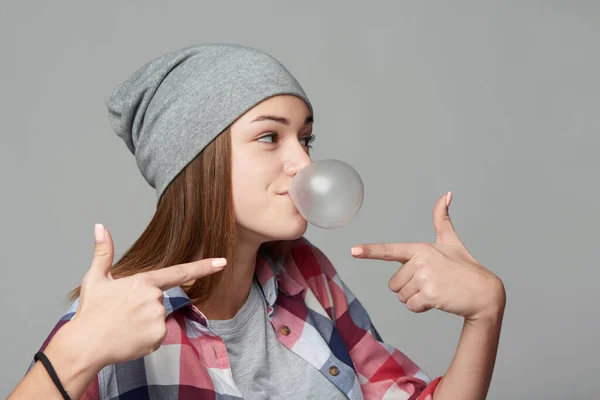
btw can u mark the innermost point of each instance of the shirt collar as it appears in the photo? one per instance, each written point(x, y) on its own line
point(272, 276)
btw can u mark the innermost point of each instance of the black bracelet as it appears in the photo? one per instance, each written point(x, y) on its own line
point(42, 357)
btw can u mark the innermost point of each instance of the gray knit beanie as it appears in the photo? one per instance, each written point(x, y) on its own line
point(169, 110)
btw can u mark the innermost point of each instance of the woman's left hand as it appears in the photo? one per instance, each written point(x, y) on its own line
point(441, 275)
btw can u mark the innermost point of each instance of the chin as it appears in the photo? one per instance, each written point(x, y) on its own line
point(273, 228)
point(293, 230)
point(288, 229)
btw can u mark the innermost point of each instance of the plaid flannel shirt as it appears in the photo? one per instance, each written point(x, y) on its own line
point(314, 314)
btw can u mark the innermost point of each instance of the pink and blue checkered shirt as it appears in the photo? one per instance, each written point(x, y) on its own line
point(314, 314)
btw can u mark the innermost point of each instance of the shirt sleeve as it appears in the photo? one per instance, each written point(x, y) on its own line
point(383, 371)
point(93, 390)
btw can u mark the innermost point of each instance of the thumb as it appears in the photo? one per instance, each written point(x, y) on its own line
point(441, 222)
point(103, 253)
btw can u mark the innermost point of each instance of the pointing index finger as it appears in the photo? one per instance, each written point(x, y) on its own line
point(176, 275)
point(401, 252)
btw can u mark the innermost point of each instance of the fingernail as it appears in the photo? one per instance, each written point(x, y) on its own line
point(99, 232)
point(448, 199)
point(219, 262)
point(357, 251)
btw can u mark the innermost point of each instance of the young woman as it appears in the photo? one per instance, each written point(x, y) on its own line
point(222, 297)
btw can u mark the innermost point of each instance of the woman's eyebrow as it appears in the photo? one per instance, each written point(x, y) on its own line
point(281, 120)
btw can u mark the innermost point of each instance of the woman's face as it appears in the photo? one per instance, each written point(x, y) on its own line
point(270, 144)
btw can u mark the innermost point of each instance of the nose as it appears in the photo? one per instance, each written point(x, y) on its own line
point(298, 160)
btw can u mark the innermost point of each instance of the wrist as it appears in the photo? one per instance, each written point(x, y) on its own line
point(69, 354)
point(493, 311)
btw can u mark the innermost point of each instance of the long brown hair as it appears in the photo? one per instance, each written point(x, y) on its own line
point(195, 212)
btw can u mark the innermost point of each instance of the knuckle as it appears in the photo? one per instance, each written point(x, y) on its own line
point(157, 337)
point(402, 296)
point(154, 311)
point(182, 273)
point(161, 312)
point(153, 348)
point(387, 251)
point(161, 333)
point(420, 262)
point(101, 251)
point(156, 293)
point(423, 274)
point(429, 291)
point(391, 284)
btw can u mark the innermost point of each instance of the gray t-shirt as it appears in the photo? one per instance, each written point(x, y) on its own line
point(262, 367)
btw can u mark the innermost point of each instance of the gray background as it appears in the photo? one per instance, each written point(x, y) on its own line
point(497, 101)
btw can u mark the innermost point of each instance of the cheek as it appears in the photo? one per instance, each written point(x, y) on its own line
point(250, 180)
point(255, 171)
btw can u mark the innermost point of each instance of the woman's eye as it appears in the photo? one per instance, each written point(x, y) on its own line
point(308, 140)
point(268, 138)
point(274, 137)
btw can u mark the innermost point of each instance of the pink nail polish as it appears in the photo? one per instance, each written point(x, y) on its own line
point(99, 232)
point(357, 251)
point(448, 199)
point(219, 263)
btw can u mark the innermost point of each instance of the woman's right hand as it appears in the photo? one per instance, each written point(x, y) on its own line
point(116, 320)
point(124, 319)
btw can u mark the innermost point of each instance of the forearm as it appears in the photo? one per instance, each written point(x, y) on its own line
point(470, 372)
point(74, 369)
